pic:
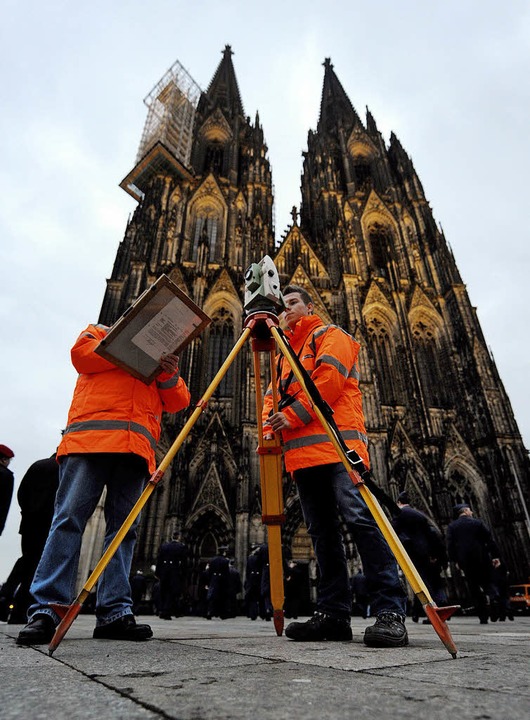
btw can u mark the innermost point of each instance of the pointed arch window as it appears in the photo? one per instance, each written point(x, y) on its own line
point(460, 491)
point(220, 344)
point(208, 546)
point(362, 171)
point(214, 158)
point(206, 231)
point(428, 361)
point(387, 367)
point(378, 238)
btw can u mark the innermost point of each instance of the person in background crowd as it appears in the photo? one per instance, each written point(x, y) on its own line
point(266, 610)
point(218, 585)
point(293, 579)
point(138, 588)
point(36, 498)
point(253, 582)
point(7, 482)
point(500, 607)
point(359, 589)
point(234, 588)
point(426, 548)
point(202, 591)
point(171, 567)
point(472, 548)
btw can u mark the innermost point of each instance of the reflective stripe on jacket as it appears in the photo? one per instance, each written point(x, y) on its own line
point(329, 355)
point(113, 412)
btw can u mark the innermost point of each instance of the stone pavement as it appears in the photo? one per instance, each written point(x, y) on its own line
point(194, 669)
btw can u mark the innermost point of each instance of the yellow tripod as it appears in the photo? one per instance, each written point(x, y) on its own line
point(263, 327)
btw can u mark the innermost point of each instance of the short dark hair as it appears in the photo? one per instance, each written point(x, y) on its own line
point(306, 297)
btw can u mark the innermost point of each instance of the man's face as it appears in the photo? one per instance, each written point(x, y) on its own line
point(295, 308)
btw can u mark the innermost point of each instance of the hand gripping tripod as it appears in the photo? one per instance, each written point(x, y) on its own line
point(262, 326)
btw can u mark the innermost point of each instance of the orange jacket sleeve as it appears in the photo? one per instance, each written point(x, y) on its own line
point(173, 391)
point(84, 359)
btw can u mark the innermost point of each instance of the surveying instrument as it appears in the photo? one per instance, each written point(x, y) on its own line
point(263, 302)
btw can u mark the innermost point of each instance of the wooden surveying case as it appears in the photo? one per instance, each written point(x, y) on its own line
point(263, 301)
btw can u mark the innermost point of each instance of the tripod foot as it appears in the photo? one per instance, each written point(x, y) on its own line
point(278, 621)
point(68, 614)
point(438, 616)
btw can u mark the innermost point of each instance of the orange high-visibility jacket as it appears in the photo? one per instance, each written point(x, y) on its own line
point(329, 355)
point(113, 412)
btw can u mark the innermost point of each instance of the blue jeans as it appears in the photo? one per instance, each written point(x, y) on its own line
point(325, 491)
point(82, 478)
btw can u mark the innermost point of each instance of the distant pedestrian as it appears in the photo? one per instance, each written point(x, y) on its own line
point(253, 583)
point(218, 585)
point(293, 588)
point(155, 597)
point(7, 482)
point(266, 609)
point(234, 588)
point(360, 596)
point(426, 548)
point(36, 498)
point(500, 607)
point(472, 548)
point(138, 589)
point(202, 591)
point(171, 567)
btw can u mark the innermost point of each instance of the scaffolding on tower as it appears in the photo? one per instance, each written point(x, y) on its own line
point(167, 137)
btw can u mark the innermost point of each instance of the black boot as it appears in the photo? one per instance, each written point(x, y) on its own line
point(125, 628)
point(320, 627)
point(39, 631)
point(388, 631)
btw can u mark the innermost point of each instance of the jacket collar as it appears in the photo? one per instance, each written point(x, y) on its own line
point(306, 325)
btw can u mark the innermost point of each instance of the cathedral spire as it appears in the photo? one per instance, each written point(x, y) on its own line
point(223, 90)
point(335, 105)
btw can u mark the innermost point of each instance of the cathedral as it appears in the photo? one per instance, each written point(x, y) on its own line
point(364, 243)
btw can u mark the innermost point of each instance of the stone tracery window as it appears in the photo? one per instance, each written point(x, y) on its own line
point(220, 343)
point(206, 229)
point(459, 489)
point(362, 170)
point(385, 357)
point(378, 241)
point(214, 158)
point(422, 332)
point(428, 361)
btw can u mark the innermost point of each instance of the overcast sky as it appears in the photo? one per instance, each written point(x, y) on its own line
point(449, 78)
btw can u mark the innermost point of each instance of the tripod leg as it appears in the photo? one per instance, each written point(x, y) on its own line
point(436, 615)
point(68, 613)
point(270, 461)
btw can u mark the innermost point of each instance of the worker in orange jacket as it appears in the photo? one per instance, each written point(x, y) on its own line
point(325, 489)
point(109, 442)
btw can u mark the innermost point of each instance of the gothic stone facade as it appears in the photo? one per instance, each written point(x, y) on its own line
point(367, 248)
